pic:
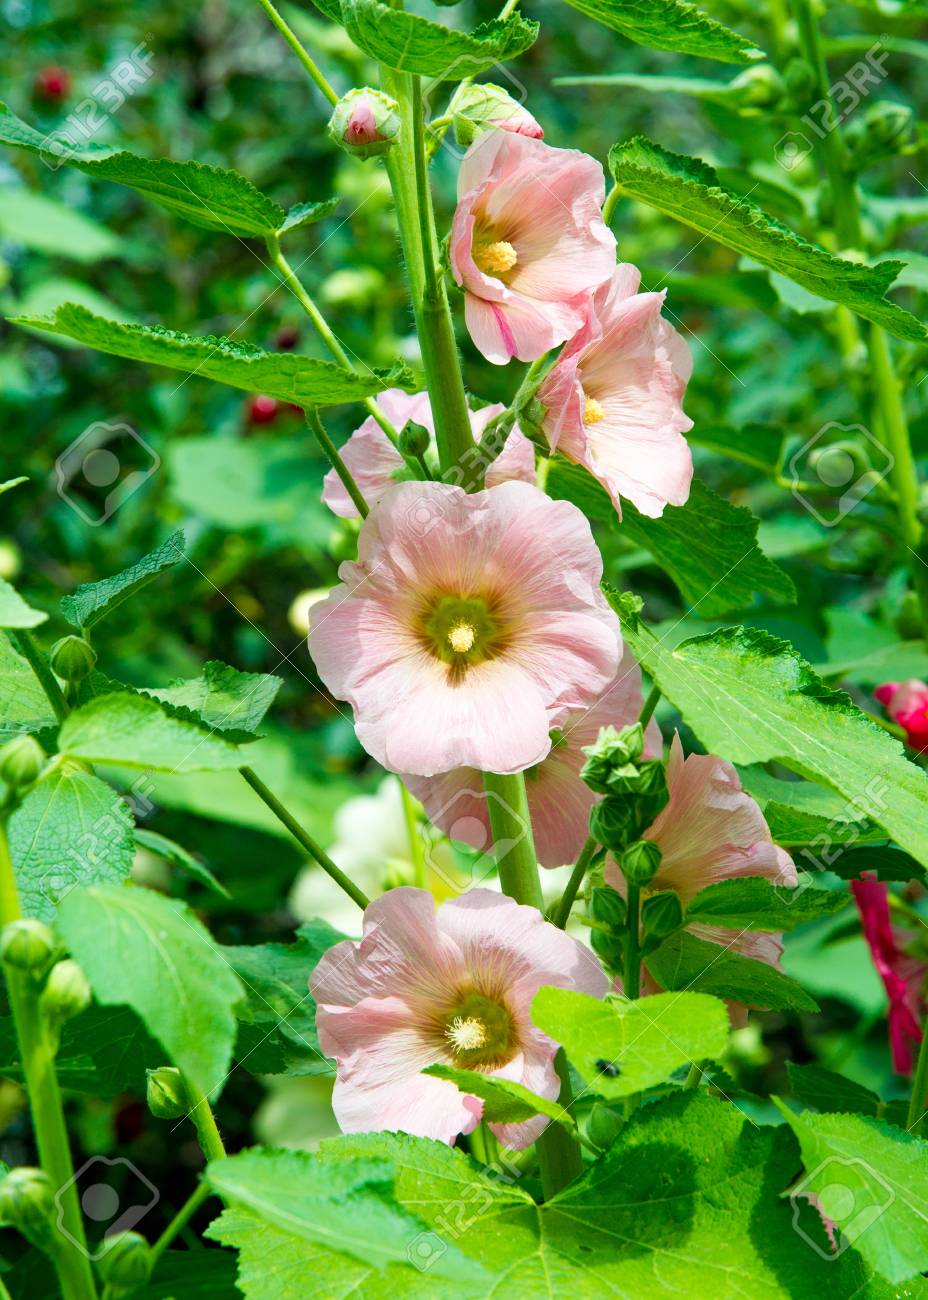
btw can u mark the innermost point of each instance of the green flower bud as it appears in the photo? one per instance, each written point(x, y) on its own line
point(799, 79)
point(613, 822)
point(27, 945)
point(167, 1094)
point(881, 131)
point(485, 107)
point(27, 1204)
point(365, 122)
point(662, 913)
point(758, 87)
point(640, 862)
point(604, 1125)
point(612, 761)
point(66, 993)
point(72, 658)
point(127, 1263)
point(21, 762)
point(608, 948)
point(414, 439)
point(608, 907)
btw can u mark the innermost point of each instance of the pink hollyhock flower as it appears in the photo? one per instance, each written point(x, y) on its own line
point(907, 704)
point(613, 398)
point(469, 623)
point(528, 243)
point(711, 830)
point(452, 986)
point(375, 464)
point(903, 976)
point(558, 800)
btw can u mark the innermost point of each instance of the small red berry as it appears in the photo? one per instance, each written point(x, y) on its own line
point(262, 409)
point(287, 338)
point(53, 83)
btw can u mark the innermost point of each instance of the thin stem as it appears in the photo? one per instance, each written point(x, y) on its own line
point(303, 837)
point(26, 644)
point(341, 469)
point(919, 1088)
point(561, 913)
point(650, 704)
point(416, 850)
point(37, 1053)
point(609, 207)
point(200, 1193)
point(631, 979)
point(291, 38)
point(423, 193)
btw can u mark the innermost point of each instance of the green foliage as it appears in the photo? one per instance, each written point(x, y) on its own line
point(14, 611)
point(504, 1101)
point(823, 1089)
point(752, 903)
point(179, 857)
point(408, 43)
point(128, 730)
point(94, 600)
point(671, 25)
point(103, 1052)
point(686, 962)
point(23, 703)
point(229, 702)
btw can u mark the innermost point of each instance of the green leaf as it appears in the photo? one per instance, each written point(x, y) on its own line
point(757, 445)
point(504, 1101)
point(284, 375)
point(94, 600)
point(753, 903)
point(135, 731)
point(12, 483)
point(214, 198)
point(671, 25)
point(751, 698)
point(343, 1206)
point(305, 214)
point(688, 190)
point(870, 1179)
point(193, 1273)
point(148, 952)
point(179, 857)
point(887, 862)
point(71, 829)
point(104, 1051)
point(686, 962)
point(824, 1090)
point(408, 43)
point(14, 612)
point(23, 704)
point(620, 1048)
point(47, 226)
point(229, 702)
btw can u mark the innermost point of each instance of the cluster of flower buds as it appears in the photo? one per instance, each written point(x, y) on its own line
point(365, 122)
point(634, 787)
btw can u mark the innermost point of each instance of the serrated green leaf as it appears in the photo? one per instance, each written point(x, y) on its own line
point(753, 903)
point(150, 953)
point(688, 190)
point(887, 862)
point(14, 611)
point(504, 1101)
point(104, 1051)
point(135, 731)
point(869, 1178)
point(94, 600)
point(824, 1090)
point(408, 43)
point(671, 25)
point(23, 704)
point(794, 827)
point(751, 698)
point(305, 381)
point(305, 214)
point(229, 702)
point(71, 829)
point(620, 1048)
point(179, 857)
point(685, 961)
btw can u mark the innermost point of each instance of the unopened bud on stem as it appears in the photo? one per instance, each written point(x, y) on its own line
point(21, 762)
point(26, 945)
point(167, 1093)
point(72, 658)
point(365, 122)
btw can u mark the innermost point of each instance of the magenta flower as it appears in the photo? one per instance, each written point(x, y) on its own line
point(453, 987)
point(903, 976)
point(558, 800)
point(375, 464)
point(528, 243)
point(469, 623)
point(907, 704)
point(614, 395)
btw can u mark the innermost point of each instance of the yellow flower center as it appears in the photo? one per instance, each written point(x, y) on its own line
point(477, 1031)
point(466, 1033)
point(496, 258)
point(592, 411)
point(461, 637)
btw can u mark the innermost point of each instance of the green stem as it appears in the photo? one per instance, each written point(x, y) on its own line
point(919, 1088)
point(609, 207)
point(561, 913)
point(211, 1143)
point(38, 1059)
point(201, 1193)
point(423, 193)
point(291, 38)
point(631, 980)
point(341, 469)
point(416, 850)
point(26, 644)
point(303, 837)
point(694, 1076)
point(650, 704)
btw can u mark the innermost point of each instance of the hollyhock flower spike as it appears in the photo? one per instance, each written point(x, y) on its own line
point(613, 398)
point(907, 704)
point(375, 464)
point(467, 625)
point(528, 243)
point(559, 802)
point(452, 986)
point(904, 977)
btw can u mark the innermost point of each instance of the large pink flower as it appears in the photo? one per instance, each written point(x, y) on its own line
point(375, 464)
point(712, 830)
point(467, 626)
point(614, 395)
point(558, 800)
point(907, 704)
point(528, 243)
point(904, 976)
point(453, 987)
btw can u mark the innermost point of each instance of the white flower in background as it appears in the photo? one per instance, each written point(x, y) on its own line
point(298, 613)
point(296, 1112)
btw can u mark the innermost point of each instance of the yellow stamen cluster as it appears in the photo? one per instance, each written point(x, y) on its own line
point(592, 411)
point(461, 637)
point(466, 1033)
point(496, 258)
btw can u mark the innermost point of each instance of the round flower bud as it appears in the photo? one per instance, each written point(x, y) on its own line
point(605, 1124)
point(167, 1093)
point(486, 108)
point(640, 862)
point(27, 1204)
point(880, 131)
point(66, 993)
point(608, 948)
point(758, 87)
point(365, 122)
point(608, 907)
point(662, 913)
point(611, 764)
point(72, 658)
point(612, 821)
point(414, 439)
point(26, 945)
point(21, 761)
point(127, 1262)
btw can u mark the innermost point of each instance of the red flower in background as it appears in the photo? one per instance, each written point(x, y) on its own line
point(907, 704)
point(903, 976)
